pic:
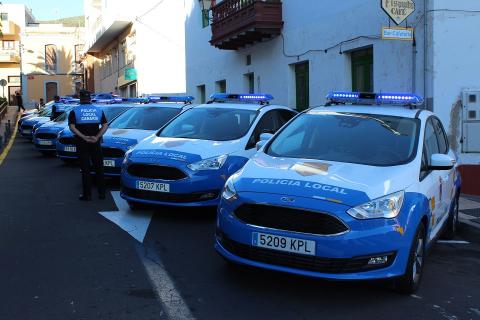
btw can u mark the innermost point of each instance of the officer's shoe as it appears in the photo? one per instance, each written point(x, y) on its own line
point(101, 196)
point(84, 198)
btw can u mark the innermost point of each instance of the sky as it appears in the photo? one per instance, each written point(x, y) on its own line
point(52, 9)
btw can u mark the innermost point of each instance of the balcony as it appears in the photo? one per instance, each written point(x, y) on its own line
point(238, 23)
point(9, 55)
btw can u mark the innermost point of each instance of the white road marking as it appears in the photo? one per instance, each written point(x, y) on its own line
point(441, 311)
point(476, 311)
point(134, 222)
point(466, 204)
point(453, 242)
point(172, 301)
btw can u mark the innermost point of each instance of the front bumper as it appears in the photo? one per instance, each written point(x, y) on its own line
point(45, 144)
point(64, 151)
point(198, 189)
point(342, 257)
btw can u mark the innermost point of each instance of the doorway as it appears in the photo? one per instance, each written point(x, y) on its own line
point(12, 100)
point(302, 86)
point(51, 90)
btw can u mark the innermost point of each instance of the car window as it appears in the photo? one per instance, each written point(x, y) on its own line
point(152, 118)
point(441, 136)
point(113, 112)
point(216, 124)
point(269, 123)
point(431, 141)
point(376, 140)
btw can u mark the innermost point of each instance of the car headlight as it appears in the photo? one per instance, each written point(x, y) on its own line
point(127, 155)
point(214, 163)
point(229, 193)
point(385, 207)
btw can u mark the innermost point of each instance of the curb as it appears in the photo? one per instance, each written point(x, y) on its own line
point(7, 148)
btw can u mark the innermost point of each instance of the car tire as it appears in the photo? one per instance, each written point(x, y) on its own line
point(452, 222)
point(410, 281)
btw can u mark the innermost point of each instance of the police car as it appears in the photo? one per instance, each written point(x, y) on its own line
point(26, 124)
point(45, 137)
point(357, 190)
point(136, 124)
point(65, 144)
point(187, 162)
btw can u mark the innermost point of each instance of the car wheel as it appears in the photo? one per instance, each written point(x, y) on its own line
point(452, 222)
point(409, 282)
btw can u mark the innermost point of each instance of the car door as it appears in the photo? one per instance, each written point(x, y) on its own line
point(447, 185)
point(429, 179)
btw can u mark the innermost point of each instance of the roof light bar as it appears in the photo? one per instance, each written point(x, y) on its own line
point(155, 98)
point(374, 98)
point(242, 97)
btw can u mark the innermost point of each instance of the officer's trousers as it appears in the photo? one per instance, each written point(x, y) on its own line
point(91, 158)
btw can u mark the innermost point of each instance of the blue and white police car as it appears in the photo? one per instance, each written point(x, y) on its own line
point(136, 124)
point(45, 136)
point(356, 190)
point(26, 124)
point(187, 162)
point(65, 144)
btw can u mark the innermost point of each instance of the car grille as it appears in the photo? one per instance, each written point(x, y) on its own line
point(302, 262)
point(49, 136)
point(155, 172)
point(26, 127)
point(113, 153)
point(66, 154)
point(67, 140)
point(112, 170)
point(289, 219)
point(171, 197)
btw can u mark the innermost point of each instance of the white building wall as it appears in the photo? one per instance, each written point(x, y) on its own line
point(311, 26)
point(456, 64)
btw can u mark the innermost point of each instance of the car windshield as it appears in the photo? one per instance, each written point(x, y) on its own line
point(45, 112)
point(148, 118)
point(375, 140)
point(63, 116)
point(217, 124)
point(111, 112)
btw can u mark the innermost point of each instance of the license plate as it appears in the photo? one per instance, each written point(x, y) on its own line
point(108, 163)
point(70, 149)
point(286, 244)
point(153, 186)
point(45, 142)
point(26, 131)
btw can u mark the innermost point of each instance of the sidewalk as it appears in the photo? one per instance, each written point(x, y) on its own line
point(469, 216)
point(12, 116)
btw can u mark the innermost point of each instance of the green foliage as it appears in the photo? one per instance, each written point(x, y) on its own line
point(3, 100)
point(78, 21)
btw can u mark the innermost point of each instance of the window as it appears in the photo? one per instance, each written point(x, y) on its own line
point(78, 52)
point(441, 136)
point(51, 58)
point(201, 93)
point(122, 58)
point(4, 16)
point(250, 82)
point(431, 141)
point(132, 90)
point(269, 123)
point(13, 79)
point(221, 86)
point(249, 60)
point(341, 138)
point(8, 44)
point(362, 70)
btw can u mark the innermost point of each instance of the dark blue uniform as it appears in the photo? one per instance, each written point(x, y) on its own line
point(87, 119)
point(57, 110)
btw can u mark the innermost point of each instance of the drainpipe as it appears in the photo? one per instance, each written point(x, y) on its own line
point(425, 48)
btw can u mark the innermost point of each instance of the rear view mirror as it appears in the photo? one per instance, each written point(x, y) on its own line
point(440, 161)
point(264, 137)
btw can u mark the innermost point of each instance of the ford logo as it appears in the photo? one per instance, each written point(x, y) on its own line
point(287, 199)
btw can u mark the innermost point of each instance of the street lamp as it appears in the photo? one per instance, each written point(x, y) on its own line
point(207, 4)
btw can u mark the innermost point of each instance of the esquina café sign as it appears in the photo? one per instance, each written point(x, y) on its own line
point(398, 10)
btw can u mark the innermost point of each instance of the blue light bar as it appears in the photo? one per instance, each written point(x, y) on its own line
point(155, 98)
point(135, 100)
point(242, 97)
point(374, 98)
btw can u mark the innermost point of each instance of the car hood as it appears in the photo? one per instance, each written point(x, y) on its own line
point(52, 126)
point(186, 150)
point(35, 120)
point(346, 183)
point(125, 137)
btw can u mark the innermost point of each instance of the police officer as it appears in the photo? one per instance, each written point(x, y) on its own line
point(88, 123)
point(57, 109)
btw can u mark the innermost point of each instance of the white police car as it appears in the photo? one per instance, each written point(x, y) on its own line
point(348, 192)
point(136, 124)
point(187, 162)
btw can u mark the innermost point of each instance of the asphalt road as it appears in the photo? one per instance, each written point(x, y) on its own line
point(60, 259)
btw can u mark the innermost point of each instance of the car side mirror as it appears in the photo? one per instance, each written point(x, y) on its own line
point(440, 161)
point(264, 137)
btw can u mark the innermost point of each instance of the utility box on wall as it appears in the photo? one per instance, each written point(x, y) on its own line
point(471, 122)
